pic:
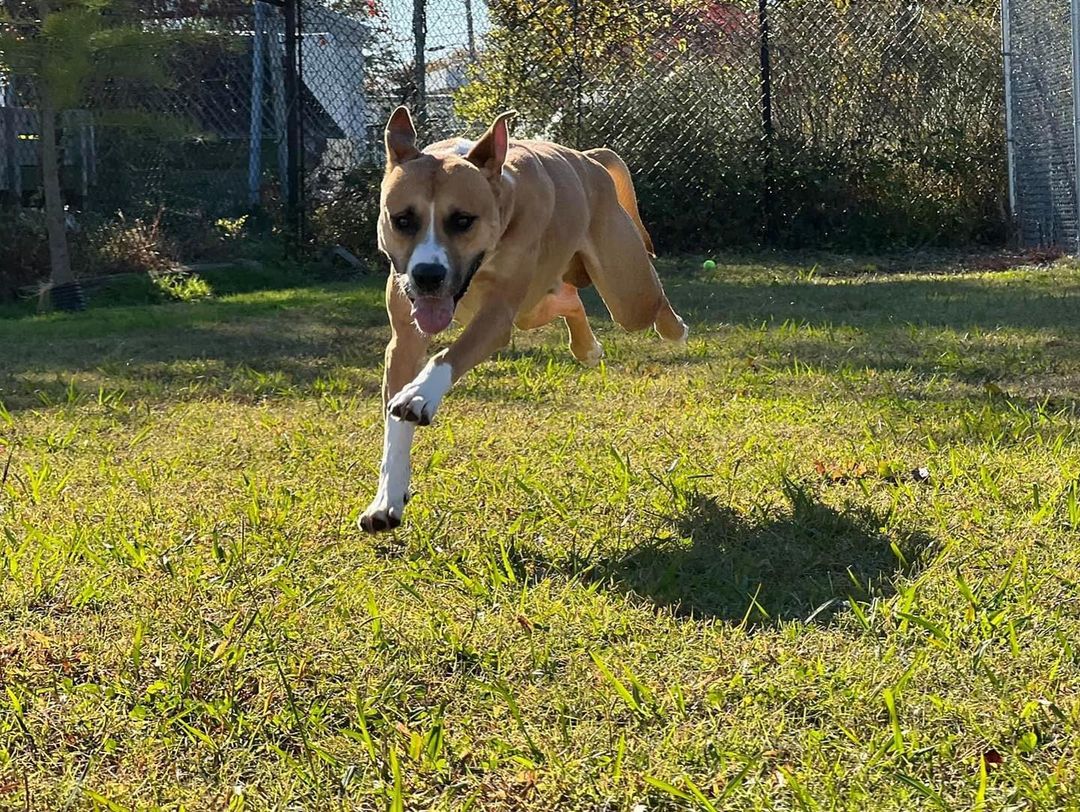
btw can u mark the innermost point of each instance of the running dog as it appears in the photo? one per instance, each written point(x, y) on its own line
point(497, 234)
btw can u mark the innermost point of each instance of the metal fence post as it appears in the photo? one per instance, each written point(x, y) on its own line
point(1010, 142)
point(420, 63)
point(258, 80)
point(470, 31)
point(278, 102)
point(292, 121)
point(1075, 22)
point(768, 130)
point(301, 134)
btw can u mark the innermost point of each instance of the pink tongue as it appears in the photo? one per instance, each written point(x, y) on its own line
point(433, 314)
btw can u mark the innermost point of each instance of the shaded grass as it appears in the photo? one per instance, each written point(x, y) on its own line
point(687, 579)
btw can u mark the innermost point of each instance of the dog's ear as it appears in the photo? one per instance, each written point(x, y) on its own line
point(400, 138)
point(490, 151)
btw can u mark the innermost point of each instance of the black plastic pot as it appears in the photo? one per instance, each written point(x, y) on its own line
point(69, 297)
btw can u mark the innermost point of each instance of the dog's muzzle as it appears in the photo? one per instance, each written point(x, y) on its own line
point(432, 307)
point(428, 278)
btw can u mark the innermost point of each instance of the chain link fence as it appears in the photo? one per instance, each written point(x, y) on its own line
point(1041, 78)
point(793, 122)
point(825, 123)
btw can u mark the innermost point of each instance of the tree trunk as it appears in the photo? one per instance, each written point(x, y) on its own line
point(55, 222)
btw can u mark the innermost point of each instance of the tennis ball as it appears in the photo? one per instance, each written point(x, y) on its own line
point(708, 265)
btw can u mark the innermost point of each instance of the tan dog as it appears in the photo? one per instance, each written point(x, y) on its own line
point(497, 234)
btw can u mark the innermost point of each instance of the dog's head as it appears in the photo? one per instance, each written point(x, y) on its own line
point(439, 216)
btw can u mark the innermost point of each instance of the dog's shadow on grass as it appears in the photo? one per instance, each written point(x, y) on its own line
point(804, 563)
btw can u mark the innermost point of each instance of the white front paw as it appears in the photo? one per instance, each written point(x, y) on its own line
point(412, 405)
point(384, 513)
point(418, 401)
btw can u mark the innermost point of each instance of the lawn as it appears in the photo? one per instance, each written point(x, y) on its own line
point(825, 557)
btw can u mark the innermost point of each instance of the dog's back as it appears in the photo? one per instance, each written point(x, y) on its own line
point(587, 208)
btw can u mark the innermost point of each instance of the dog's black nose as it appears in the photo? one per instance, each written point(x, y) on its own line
point(428, 276)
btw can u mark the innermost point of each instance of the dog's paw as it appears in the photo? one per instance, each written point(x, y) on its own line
point(591, 356)
point(679, 335)
point(418, 401)
point(383, 514)
point(413, 406)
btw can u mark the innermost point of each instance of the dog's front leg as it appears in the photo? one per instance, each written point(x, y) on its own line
point(404, 354)
point(417, 401)
point(488, 331)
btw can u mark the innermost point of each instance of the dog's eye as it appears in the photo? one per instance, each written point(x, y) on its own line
point(460, 222)
point(406, 222)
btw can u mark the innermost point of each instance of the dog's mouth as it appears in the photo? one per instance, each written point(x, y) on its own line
point(433, 314)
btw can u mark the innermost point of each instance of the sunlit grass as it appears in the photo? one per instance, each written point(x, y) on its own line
point(697, 578)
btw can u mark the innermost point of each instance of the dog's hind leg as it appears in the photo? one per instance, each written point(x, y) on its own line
point(583, 344)
point(631, 290)
point(566, 303)
point(668, 325)
point(624, 190)
point(619, 260)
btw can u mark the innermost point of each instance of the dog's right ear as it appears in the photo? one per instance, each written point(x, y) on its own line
point(400, 138)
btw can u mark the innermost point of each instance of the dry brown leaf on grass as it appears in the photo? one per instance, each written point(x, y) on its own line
point(839, 474)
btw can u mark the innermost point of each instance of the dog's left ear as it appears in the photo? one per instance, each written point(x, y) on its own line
point(490, 151)
point(400, 138)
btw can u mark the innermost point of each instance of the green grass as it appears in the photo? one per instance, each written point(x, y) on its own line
point(689, 579)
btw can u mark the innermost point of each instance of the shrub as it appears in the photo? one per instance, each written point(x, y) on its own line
point(24, 251)
point(130, 246)
point(347, 211)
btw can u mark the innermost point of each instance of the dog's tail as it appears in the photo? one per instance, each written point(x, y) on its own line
point(624, 189)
